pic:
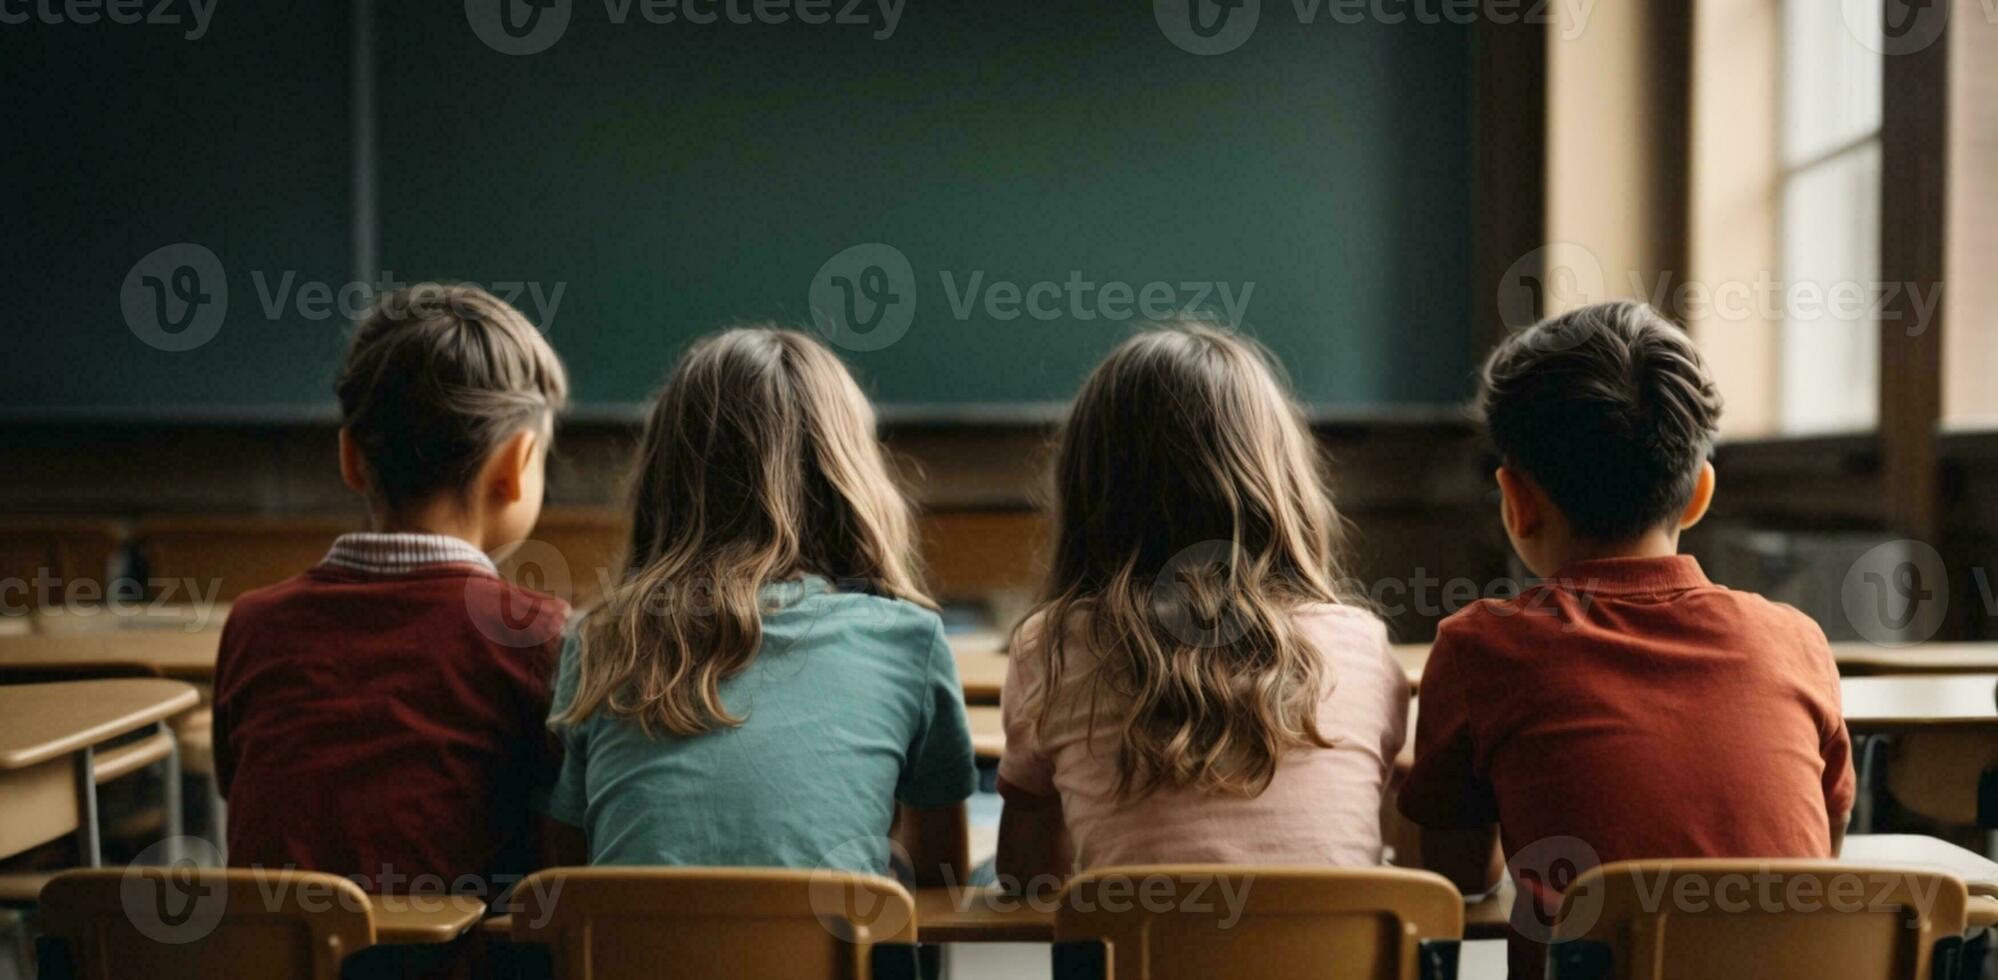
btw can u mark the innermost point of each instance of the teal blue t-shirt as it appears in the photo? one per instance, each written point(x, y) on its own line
point(851, 704)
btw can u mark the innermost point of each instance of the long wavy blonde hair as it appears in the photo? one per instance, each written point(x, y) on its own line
point(1191, 520)
point(759, 464)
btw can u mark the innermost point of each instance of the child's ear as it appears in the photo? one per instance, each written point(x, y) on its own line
point(1703, 497)
point(353, 466)
point(1519, 504)
point(506, 472)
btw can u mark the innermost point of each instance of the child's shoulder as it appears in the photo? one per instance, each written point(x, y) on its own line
point(514, 615)
point(1339, 615)
point(883, 615)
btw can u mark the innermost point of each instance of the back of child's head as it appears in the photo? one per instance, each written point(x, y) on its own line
point(759, 464)
point(435, 379)
point(1191, 520)
point(1611, 412)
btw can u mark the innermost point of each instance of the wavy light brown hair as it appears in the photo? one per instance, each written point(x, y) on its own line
point(1191, 520)
point(759, 464)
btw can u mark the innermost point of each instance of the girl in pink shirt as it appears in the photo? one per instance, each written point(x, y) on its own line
point(1190, 687)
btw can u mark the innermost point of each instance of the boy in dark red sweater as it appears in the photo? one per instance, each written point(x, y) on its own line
point(382, 716)
point(1625, 707)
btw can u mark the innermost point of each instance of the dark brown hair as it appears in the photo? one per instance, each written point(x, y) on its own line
point(1191, 520)
point(437, 377)
point(1608, 408)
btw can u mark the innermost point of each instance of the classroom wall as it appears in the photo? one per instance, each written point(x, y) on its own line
point(1417, 494)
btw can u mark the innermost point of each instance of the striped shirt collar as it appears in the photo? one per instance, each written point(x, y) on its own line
point(401, 553)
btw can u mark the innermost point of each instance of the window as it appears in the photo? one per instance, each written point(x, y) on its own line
point(1829, 246)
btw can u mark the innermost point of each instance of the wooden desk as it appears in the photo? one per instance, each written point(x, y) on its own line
point(1865, 659)
point(1918, 853)
point(423, 919)
point(47, 736)
point(1412, 657)
point(169, 617)
point(176, 654)
point(981, 915)
point(1934, 702)
point(988, 735)
point(981, 665)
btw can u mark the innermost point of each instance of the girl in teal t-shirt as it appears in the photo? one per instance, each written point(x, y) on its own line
point(769, 679)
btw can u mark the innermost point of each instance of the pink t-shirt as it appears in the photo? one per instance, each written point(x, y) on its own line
point(1323, 808)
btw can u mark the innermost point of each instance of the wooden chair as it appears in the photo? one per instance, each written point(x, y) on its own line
point(608, 923)
point(186, 922)
point(1721, 919)
point(1190, 921)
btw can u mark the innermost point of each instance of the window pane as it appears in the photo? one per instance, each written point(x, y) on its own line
point(1831, 78)
point(1831, 339)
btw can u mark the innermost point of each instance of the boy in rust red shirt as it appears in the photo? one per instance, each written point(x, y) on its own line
point(1624, 707)
point(382, 716)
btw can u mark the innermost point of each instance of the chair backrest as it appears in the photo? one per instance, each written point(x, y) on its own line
point(1703, 918)
point(606, 923)
point(189, 922)
point(1170, 921)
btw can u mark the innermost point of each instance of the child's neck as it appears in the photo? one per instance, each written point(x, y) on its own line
point(1655, 543)
point(435, 517)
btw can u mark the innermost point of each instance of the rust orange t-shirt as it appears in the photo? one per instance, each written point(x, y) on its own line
point(1626, 709)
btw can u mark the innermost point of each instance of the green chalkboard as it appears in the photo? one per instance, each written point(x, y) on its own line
point(132, 149)
point(977, 203)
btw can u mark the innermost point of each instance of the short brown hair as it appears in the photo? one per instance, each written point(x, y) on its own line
point(1610, 409)
point(435, 378)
